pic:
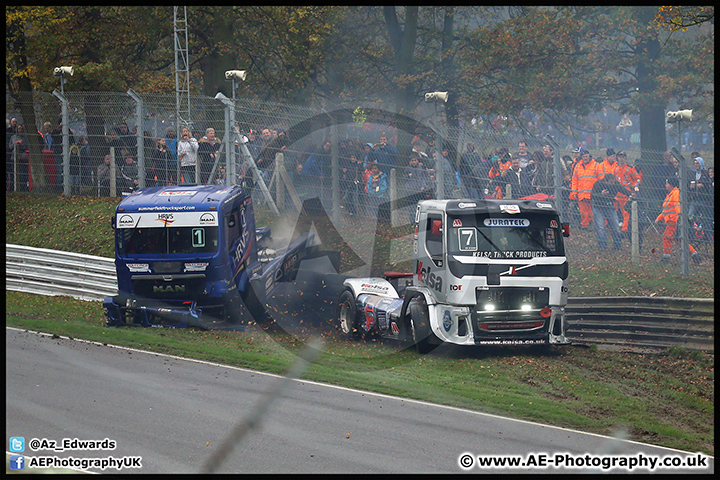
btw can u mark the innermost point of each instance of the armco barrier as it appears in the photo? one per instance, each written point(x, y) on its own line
point(53, 272)
point(653, 322)
point(643, 321)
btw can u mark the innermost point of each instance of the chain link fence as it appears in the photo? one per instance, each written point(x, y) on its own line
point(109, 144)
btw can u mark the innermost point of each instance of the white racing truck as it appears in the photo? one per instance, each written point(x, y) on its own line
point(487, 272)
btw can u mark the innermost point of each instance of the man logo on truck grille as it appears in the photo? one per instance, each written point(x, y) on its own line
point(126, 221)
point(207, 219)
point(169, 289)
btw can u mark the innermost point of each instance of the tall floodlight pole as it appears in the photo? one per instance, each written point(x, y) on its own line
point(234, 76)
point(230, 175)
point(182, 74)
point(61, 72)
point(436, 97)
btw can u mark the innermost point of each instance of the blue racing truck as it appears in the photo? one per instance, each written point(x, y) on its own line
point(191, 256)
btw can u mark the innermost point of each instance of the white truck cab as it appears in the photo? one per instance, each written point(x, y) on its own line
point(486, 272)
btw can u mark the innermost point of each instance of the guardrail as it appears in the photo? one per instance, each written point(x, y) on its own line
point(652, 322)
point(657, 322)
point(53, 272)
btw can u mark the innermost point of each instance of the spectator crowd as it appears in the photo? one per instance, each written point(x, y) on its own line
point(596, 191)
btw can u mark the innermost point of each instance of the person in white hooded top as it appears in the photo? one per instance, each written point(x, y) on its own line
point(187, 155)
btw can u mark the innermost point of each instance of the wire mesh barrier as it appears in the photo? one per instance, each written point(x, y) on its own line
point(110, 144)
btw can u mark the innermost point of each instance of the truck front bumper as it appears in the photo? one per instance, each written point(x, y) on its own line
point(123, 311)
point(467, 326)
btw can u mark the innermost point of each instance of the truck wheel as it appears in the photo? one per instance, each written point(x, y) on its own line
point(420, 325)
point(347, 314)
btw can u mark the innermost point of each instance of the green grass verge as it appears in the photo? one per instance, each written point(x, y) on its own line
point(82, 225)
point(662, 398)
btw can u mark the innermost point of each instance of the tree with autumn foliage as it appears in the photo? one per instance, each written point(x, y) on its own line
point(579, 59)
point(554, 61)
point(681, 18)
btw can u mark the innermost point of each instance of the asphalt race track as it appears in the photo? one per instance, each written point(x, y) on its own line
point(174, 413)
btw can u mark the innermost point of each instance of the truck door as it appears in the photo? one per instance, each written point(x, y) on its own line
point(232, 230)
point(435, 238)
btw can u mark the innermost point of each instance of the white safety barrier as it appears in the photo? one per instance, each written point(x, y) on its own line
point(627, 321)
point(53, 272)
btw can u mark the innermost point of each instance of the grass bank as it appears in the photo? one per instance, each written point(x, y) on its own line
point(664, 398)
point(661, 398)
point(82, 225)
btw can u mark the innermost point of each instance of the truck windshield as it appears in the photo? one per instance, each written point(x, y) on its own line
point(167, 240)
point(506, 237)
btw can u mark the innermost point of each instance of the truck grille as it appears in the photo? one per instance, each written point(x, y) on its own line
point(510, 312)
point(167, 267)
point(512, 298)
point(186, 287)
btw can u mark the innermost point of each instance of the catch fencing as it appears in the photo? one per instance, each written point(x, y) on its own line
point(625, 321)
point(112, 143)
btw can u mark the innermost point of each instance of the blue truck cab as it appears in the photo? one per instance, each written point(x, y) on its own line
point(191, 255)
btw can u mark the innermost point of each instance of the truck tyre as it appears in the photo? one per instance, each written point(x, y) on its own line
point(420, 325)
point(348, 316)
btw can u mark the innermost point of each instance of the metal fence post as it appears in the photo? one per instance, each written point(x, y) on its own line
point(438, 163)
point(15, 168)
point(250, 162)
point(140, 136)
point(279, 190)
point(335, 173)
point(230, 166)
point(66, 143)
point(682, 220)
point(634, 234)
point(113, 173)
point(393, 197)
point(557, 176)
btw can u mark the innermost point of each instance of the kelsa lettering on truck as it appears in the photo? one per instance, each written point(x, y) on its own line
point(426, 276)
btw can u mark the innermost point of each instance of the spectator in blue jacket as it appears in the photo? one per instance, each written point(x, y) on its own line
point(386, 155)
point(377, 187)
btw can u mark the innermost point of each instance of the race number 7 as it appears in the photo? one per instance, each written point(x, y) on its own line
point(467, 239)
